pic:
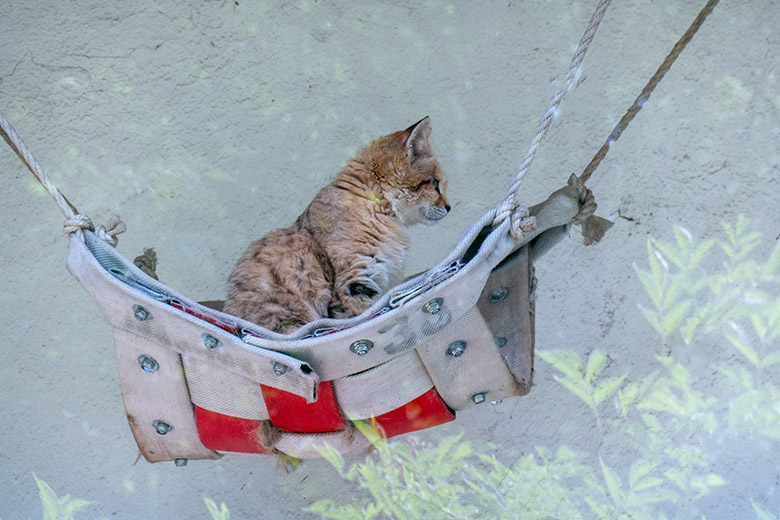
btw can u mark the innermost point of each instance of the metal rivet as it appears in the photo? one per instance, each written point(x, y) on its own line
point(141, 314)
point(148, 364)
point(361, 347)
point(479, 397)
point(456, 348)
point(180, 463)
point(433, 306)
point(210, 341)
point(498, 294)
point(279, 369)
point(500, 341)
point(162, 427)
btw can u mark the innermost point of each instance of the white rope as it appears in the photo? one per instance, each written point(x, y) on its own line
point(74, 220)
point(521, 222)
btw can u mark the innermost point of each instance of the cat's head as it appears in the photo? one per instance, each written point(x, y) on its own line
point(410, 176)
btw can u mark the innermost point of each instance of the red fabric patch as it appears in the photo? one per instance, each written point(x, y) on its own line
point(227, 433)
point(224, 326)
point(426, 411)
point(292, 413)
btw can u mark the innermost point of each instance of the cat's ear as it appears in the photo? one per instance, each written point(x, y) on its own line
point(417, 142)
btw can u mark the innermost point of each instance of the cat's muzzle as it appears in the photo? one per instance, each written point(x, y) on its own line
point(435, 212)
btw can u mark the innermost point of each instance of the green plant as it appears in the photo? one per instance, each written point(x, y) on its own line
point(411, 479)
point(217, 513)
point(661, 427)
point(55, 508)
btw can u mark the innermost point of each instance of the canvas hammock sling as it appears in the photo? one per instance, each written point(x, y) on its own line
point(197, 382)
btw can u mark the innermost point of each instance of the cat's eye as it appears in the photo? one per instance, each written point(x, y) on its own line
point(435, 185)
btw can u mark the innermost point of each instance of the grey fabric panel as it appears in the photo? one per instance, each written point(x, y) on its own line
point(383, 388)
point(478, 370)
point(158, 396)
point(221, 391)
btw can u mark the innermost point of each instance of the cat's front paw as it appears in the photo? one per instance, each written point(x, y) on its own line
point(353, 299)
point(365, 288)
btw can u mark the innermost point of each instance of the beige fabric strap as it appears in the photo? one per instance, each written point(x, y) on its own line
point(157, 401)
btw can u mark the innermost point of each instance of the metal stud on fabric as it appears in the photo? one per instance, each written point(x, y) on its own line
point(162, 427)
point(361, 347)
point(478, 397)
point(210, 341)
point(456, 348)
point(433, 306)
point(141, 314)
point(498, 294)
point(279, 369)
point(148, 364)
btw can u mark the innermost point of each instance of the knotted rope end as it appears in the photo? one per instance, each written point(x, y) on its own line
point(593, 227)
point(106, 233)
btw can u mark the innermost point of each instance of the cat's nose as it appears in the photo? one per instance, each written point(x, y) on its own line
point(447, 207)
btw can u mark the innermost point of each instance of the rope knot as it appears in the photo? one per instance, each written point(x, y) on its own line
point(77, 222)
point(522, 223)
point(593, 227)
point(106, 233)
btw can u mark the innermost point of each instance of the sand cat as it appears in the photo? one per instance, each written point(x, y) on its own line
point(349, 245)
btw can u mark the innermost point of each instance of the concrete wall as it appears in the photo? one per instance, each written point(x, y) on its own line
point(205, 124)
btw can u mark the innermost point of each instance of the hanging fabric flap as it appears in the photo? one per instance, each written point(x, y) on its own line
point(157, 401)
point(506, 304)
point(218, 390)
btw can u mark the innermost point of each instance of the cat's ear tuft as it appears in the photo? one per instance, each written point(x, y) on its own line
point(417, 143)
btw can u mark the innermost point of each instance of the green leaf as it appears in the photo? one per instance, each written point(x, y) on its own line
point(689, 329)
point(770, 360)
point(639, 470)
point(597, 360)
point(675, 315)
point(628, 396)
point(714, 480)
point(577, 388)
point(673, 290)
point(763, 513)
point(49, 500)
point(772, 265)
point(744, 349)
point(606, 388)
point(669, 252)
point(759, 325)
point(330, 454)
point(565, 361)
point(217, 513)
point(55, 508)
point(699, 254)
point(612, 480)
point(652, 318)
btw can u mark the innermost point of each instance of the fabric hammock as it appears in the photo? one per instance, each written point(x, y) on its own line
point(197, 382)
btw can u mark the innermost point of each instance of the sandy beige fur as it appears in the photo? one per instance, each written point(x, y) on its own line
point(349, 245)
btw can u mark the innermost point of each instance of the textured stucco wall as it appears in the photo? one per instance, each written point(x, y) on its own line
point(205, 124)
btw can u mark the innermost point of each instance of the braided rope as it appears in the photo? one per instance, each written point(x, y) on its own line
point(508, 206)
point(644, 96)
point(74, 220)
